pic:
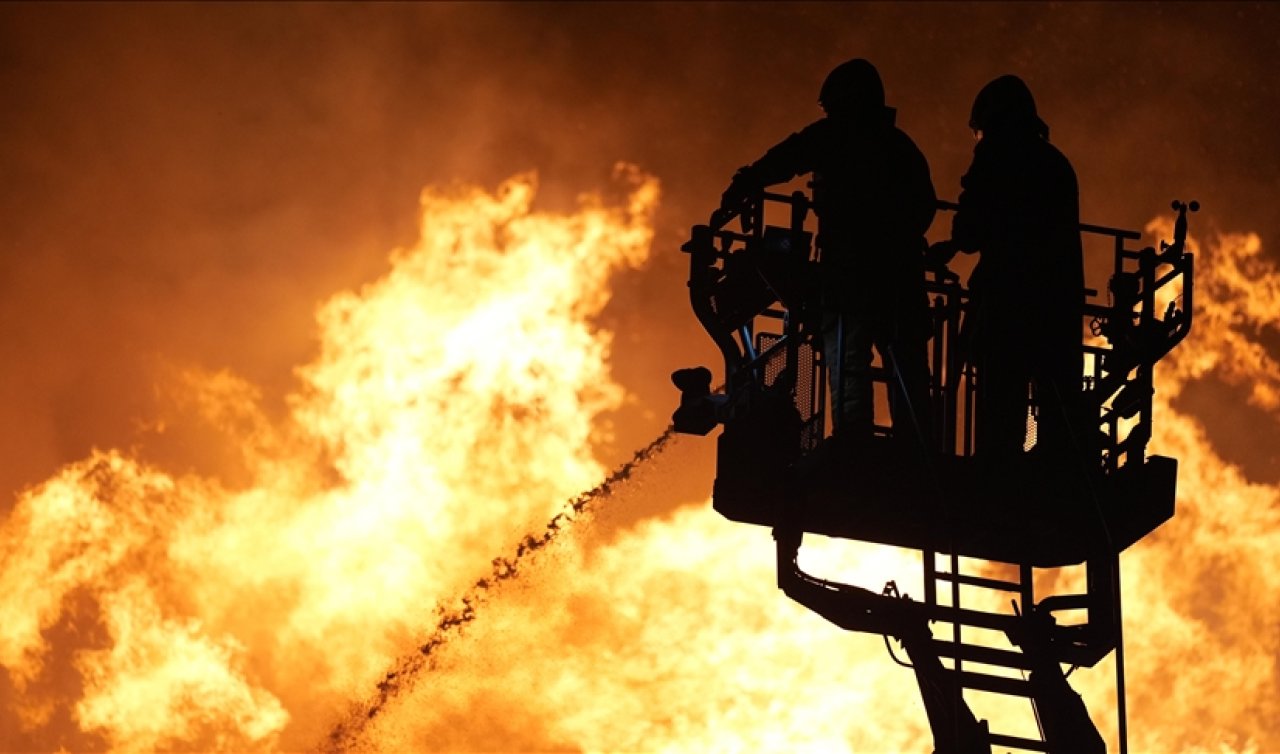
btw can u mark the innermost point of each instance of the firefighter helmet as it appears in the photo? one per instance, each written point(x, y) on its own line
point(1006, 103)
point(852, 88)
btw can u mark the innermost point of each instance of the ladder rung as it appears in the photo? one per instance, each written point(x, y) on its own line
point(1064, 602)
point(982, 581)
point(1003, 658)
point(1083, 656)
point(996, 684)
point(1017, 742)
point(975, 618)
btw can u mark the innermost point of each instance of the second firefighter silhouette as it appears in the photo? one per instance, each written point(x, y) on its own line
point(874, 200)
point(1019, 208)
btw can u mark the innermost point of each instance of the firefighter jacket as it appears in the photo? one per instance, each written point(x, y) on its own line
point(1020, 208)
point(874, 199)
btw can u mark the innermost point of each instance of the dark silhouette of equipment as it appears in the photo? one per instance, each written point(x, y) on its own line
point(753, 287)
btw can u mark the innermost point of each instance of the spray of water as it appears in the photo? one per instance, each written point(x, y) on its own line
point(453, 620)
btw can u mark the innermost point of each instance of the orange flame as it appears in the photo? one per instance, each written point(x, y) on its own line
point(452, 406)
point(451, 409)
point(673, 637)
point(1199, 594)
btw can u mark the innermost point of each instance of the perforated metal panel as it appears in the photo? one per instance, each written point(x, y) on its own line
point(807, 386)
point(776, 363)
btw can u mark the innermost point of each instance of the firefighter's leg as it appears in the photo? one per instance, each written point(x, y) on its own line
point(857, 406)
point(1062, 428)
point(832, 349)
point(846, 342)
point(1001, 423)
point(909, 404)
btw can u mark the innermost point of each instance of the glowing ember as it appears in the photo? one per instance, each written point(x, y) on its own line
point(450, 410)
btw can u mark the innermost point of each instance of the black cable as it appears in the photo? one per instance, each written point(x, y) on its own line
point(889, 647)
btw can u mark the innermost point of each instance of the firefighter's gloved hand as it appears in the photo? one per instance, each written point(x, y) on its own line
point(940, 254)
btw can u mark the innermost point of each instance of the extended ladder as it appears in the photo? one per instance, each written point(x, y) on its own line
point(964, 622)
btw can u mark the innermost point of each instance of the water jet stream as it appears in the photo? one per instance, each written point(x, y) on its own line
point(343, 735)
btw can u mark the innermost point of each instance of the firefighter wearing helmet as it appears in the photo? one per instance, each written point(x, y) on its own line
point(1019, 210)
point(874, 200)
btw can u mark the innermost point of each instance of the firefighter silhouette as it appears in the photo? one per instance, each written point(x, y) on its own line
point(1022, 311)
point(874, 200)
point(1019, 210)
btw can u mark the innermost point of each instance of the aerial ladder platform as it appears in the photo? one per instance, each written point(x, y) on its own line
point(982, 537)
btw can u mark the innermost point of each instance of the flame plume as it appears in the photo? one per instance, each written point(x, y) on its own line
point(503, 569)
point(674, 638)
point(451, 408)
point(1200, 595)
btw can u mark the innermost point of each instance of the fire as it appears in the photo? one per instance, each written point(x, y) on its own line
point(673, 637)
point(1199, 596)
point(451, 408)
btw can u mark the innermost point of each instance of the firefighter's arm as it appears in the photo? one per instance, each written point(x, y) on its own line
point(971, 224)
point(789, 158)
